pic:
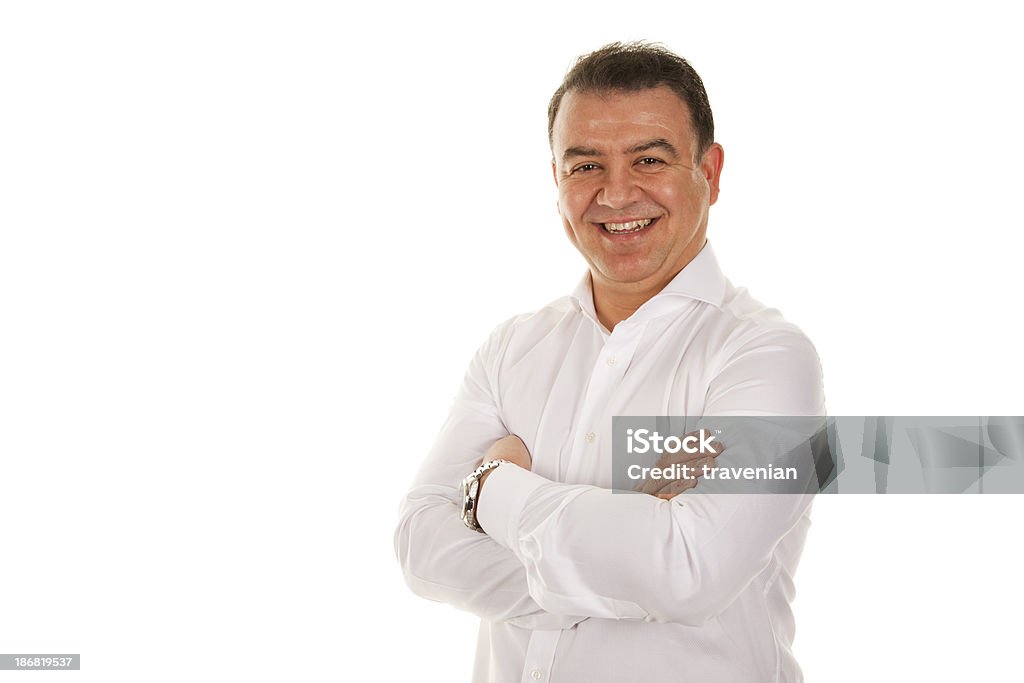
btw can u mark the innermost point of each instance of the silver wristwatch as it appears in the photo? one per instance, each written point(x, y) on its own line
point(470, 490)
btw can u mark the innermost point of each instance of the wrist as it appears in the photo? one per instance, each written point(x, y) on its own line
point(471, 487)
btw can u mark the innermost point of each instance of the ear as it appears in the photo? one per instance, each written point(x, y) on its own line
point(554, 172)
point(711, 166)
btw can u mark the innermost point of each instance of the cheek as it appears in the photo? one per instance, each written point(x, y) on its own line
point(564, 206)
point(572, 204)
point(686, 196)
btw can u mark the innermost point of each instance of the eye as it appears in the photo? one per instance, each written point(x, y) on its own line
point(650, 161)
point(583, 168)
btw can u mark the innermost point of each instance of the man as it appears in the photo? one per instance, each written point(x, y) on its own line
point(573, 582)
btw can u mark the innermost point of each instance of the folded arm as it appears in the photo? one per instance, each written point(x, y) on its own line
point(592, 552)
point(441, 558)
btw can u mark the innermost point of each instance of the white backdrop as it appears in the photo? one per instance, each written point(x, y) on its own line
point(248, 248)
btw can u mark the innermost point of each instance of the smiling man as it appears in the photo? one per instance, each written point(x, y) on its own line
point(511, 515)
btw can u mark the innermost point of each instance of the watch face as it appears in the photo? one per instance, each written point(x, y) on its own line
point(470, 486)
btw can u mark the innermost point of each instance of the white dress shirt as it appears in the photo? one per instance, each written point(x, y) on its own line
point(575, 583)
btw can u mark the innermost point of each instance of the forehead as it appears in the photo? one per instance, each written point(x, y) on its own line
point(620, 119)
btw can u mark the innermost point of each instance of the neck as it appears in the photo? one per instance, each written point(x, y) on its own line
point(614, 302)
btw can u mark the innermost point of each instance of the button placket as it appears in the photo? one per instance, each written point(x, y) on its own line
point(540, 655)
point(609, 367)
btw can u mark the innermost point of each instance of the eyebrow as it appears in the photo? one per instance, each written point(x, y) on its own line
point(657, 143)
point(579, 152)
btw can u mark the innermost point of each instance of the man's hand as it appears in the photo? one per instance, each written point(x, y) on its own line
point(668, 489)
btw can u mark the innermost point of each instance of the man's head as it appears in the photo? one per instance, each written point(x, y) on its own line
point(636, 166)
point(630, 67)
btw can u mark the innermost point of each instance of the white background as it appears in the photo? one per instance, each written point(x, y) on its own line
point(248, 248)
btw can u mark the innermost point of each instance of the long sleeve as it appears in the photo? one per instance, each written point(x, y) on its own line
point(593, 552)
point(441, 558)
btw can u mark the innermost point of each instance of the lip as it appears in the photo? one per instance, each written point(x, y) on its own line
point(627, 236)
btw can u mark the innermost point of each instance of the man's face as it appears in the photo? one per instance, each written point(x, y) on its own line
point(631, 196)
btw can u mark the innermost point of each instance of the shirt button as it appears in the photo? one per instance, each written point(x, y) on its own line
point(590, 437)
point(536, 674)
point(610, 361)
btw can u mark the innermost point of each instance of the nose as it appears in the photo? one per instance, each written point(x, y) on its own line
point(619, 190)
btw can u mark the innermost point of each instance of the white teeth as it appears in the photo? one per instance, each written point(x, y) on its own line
point(631, 226)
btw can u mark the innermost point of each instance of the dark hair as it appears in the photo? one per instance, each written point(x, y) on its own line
point(628, 67)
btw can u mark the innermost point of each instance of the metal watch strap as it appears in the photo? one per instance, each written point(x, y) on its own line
point(471, 490)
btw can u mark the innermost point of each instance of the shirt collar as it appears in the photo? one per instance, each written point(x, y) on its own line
point(701, 279)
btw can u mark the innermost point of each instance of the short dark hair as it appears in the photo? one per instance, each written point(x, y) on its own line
point(628, 67)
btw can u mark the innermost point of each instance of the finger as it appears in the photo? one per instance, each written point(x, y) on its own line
point(692, 462)
point(687, 479)
point(694, 472)
point(674, 488)
point(651, 485)
point(673, 494)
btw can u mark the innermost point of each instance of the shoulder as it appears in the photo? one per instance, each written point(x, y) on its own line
point(527, 330)
point(749, 324)
point(765, 363)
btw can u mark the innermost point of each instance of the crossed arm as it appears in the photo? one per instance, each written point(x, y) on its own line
point(444, 560)
point(555, 554)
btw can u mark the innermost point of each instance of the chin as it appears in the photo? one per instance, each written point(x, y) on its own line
point(627, 275)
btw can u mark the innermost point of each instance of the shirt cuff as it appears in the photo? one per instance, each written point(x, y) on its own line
point(508, 486)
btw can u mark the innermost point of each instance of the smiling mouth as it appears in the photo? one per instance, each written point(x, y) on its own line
point(628, 227)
